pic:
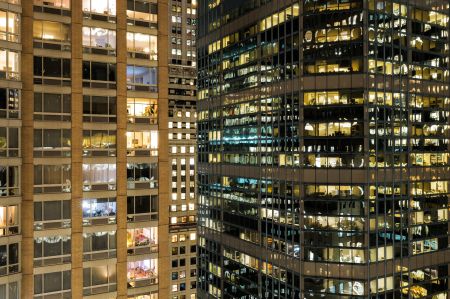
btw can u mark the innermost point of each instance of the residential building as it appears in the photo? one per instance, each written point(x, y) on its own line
point(182, 144)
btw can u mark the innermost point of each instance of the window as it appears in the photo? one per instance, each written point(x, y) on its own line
point(99, 279)
point(143, 45)
point(52, 214)
point(47, 34)
point(52, 71)
point(142, 175)
point(104, 7)
point(99, 143)
point(9, 103)
point(51, 67)
point(142, 78)
point(142, 208)
point(9, 64)
point(99, 71)
point(9, 26)
point(142, 13)
point(9, 180)
point(51, 250)
point(52, 178)
point(11, 1)
point(9, 220)
point(176, 19)
point(142, 273)
point(52, 282)
point(53, 5)
point(9, 290)
point(142, 143)
point(9, 142)
point(99, 40)
point(99, 211)
point(52, 142)
point(99, 109)
point(9, 259)
point(99, 245)
point(49, 106)
point(99, 177)
point(141, 240)
point(141, 110)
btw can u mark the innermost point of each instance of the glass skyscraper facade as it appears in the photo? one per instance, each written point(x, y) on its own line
point(323, 149)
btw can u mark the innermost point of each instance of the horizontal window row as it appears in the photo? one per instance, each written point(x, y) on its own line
point(57, 178)
point(95, 211)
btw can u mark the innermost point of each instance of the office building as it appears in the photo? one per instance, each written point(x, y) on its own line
point(85, 160)
point(323, 149)
point(182, 74)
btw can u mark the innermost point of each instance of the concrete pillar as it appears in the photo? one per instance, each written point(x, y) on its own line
point(121, 166)
point(76, 143)
point(163, 158)
point(27, 174)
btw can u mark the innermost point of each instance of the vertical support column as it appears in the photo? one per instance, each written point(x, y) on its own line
point(163, 158)
point(76, 146)
point(121, 162)
point(27, 171)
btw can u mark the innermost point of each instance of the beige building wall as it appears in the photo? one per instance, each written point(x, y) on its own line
point(76, 267)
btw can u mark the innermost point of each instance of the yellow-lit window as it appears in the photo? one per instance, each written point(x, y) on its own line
point(142, 43)
point(51, 31)
point(9, 64)
point(9, 26)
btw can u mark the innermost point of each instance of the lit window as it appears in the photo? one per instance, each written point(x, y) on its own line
point(9, 26)
point(9, 65)
point(95, 37)
point(142, 43)
point(104, 7)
